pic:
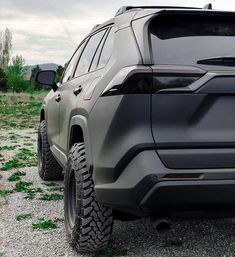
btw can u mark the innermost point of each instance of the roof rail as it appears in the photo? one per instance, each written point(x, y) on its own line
point(124, 9)
point(95, 27)
point(208, 7)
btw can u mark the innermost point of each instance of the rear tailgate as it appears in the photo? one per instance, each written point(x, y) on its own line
point(193, 103)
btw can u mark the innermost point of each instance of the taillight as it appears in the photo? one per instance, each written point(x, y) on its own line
point(139, 83)
point(171, 81)
point(149, 83)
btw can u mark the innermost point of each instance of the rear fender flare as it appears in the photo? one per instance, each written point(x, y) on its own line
point(82, 122)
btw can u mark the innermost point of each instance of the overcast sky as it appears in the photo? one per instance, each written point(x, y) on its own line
point(50, 30)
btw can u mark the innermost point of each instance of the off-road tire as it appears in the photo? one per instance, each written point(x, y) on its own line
point(48, 167)
point(88, 223)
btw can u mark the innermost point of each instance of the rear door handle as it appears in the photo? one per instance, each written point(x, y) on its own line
point(77, 90)
point(58, 98)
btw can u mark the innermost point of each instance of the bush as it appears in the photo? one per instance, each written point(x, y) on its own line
point(15, 76)
point(17, 83)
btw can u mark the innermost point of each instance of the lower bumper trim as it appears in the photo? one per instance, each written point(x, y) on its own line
point(189, 195)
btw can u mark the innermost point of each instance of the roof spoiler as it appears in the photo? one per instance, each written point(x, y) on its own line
point(124, 9)
point(208, 7)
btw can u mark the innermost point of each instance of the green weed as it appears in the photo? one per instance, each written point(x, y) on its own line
point(30, 196)
point(24, 158)
point(22, 186)
point(11, 164)
point(51, 197)
point(13, 137)
point(7, 148)
point(24, 216)
point(57, 188)
point(4, 194)
point(31, 192)
point(31, 98)
point(28, 144)
point(44, 224)
point(20, 113)
point(16, 176)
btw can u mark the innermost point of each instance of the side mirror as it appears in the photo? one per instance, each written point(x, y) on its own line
point(47, 77)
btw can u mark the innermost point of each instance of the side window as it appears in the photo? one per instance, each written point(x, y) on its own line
point(97, 54)
point(107, 50)
point(88, 53)
point(68, 72)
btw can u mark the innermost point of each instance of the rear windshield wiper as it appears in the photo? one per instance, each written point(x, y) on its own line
point(219, 61)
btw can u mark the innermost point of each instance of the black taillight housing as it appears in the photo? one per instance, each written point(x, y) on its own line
point(172, 81)
point(151, 83)
point(139, 83)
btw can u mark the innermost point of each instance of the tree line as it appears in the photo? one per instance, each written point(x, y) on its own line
point(13, 70)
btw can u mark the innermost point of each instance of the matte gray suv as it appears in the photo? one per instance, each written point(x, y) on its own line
point(143, 121)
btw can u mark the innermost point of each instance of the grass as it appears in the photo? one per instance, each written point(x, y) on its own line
point(20, 110)
point(2, 253)
point(45, 224)
point(31, 192)
point(51, 197)
point(56, 188)
point(16, 176)
point(30, 196)
point(28, 144)
point(7, 147)
point(11, 164)
point(24, 216)
point(13, 137)
point(4, 194)
point(3, 138)
point(22, 186)
point(24, 158)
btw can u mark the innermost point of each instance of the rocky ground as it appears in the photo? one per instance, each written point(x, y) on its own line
point(20, 238)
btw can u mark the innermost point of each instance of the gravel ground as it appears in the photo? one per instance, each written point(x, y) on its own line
point(136, 238)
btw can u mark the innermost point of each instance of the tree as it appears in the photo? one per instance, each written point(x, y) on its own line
point(5, 47)
point(3, 80)
point(1, 47)
point(17, 66)
point(15, 76)
point(59, 73)
point(34, 71)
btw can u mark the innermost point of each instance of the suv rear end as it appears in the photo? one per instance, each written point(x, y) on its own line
point(151, 131)
point(185, 93)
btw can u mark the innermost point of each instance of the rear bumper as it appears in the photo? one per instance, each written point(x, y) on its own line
point(190, 196)
point(146, 187)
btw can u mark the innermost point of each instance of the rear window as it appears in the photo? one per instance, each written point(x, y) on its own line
point(186, 38)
